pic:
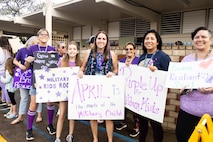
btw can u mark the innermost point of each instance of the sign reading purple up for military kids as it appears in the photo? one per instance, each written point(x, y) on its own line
point(96, 97)
point(22, 79)
point(53, 84)
point(145, 91)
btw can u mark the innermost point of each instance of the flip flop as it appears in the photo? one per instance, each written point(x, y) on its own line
point(38, 119)
point(16, 121)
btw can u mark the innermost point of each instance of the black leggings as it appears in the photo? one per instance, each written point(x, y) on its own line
point(12, 97)
point(156, 127)
point(185, 126)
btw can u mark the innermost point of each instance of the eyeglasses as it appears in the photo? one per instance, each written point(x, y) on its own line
point(129, 49)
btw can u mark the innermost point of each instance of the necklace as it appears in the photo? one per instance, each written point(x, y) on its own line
point(39, 48)
point(196, 57)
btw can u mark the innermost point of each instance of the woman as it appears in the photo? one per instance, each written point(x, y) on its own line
point(154, 59)
point(43, 37)
point(130, 59)
point(24, 93)
point(70, 59)
point(199, 100)
point(100, 61)
point(5, 53)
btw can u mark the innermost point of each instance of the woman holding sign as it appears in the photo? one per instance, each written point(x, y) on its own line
point(70, 59)
point(154, 59)
point(24, 92)
point(43, 37)
point(100, 61)
point(196, 102)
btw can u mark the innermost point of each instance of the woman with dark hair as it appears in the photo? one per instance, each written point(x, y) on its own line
point(198, 101)
point(130, 58)
point(100, 61)
point(154, 59)
point(5, 53)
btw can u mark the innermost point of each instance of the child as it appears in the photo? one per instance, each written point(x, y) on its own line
point(8, 80)
point(70, 59)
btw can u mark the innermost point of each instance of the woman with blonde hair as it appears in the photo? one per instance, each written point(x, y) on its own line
point(24, 93)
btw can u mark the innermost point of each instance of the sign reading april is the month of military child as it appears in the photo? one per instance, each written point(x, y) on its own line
point(96, 97)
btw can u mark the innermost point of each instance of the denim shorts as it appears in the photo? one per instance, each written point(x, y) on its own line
point(32, 91)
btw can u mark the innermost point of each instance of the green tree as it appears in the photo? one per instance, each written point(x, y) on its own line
point(12, 8)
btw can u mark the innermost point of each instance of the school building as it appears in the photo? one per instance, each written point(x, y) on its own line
point(124, 21)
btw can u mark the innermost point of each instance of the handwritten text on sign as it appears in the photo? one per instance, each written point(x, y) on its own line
point(96, 97)
point(191, 75)
point(22, 79)
point(145, 91)
point(53, 84)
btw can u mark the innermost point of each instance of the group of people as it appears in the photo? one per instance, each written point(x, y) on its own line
point(101, 60)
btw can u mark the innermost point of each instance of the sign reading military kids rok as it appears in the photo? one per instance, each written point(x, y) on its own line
point(53, 84)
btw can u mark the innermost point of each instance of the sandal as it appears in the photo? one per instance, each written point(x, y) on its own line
point(16, 121)
point(38, 119)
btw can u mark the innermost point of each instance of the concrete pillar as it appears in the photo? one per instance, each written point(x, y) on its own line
point(48, 19)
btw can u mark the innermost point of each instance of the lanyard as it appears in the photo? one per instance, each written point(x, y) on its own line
point(39, 48)
point(150, 61)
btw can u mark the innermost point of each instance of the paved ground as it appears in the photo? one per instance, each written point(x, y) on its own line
point(16, 133)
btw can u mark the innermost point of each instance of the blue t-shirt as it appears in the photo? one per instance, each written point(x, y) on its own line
point(160, 60)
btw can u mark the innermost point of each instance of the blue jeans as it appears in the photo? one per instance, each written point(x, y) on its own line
point(24, 94)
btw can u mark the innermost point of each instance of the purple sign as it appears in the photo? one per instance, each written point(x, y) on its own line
point(22, 79)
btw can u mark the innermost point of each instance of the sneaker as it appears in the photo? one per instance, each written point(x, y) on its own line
point(57, 140)
point(134, 133)
point(51, 130)
point(100, 121)
point(2, 103)
point(70, 138)
point(7, 114)
point(11, 116)
point(121, 126)
point(4, 107)
point(29, 135)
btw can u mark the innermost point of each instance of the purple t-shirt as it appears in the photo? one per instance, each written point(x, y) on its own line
point(196, 103)
point(22, 54)
point(71, 64)
point(134, 61)
point(35, 48)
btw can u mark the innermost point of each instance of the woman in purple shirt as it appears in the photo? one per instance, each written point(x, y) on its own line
point(130, 59)
point(43, 37)
point(24, 93)
point(197, 102)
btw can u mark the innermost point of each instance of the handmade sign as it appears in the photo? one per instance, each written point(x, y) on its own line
point(190, 75)
point(145, 91)
point(96, 97)
point(22, 79)
point(44, 60)
point(53, 84)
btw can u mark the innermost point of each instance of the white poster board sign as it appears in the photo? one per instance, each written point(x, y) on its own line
point(53, 83)
point(96, 97)
point(191, 75)
point(145, 91)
